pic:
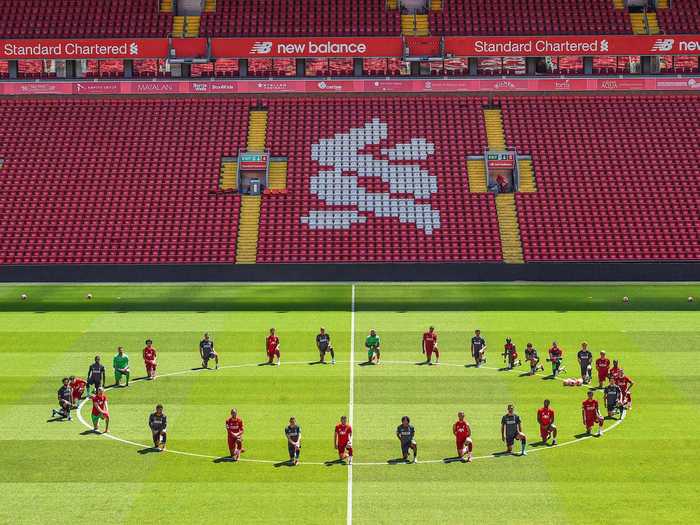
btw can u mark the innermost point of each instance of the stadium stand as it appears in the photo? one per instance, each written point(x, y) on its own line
point(682, 17)
point(529, 17)
point(616, 176)
point(82, 19)
point(467, 228)
point(300, 17)
point(118, 181)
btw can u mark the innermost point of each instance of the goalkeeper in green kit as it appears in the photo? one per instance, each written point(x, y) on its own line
point(372, 344)
point(121, 367)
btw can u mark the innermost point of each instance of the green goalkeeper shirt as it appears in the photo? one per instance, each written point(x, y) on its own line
point(372, 341)
point(120, 361)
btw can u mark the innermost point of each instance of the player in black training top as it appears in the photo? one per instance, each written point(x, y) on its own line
point(158, 423)
point(512, 430)
point(293, 434)
point(407, 434)
point(478, 348)
point(613, 399)
point(96, 375)
point(323, 343)
point(65, 401)
point(206, 352)
point(585, 360)
point(533, 359)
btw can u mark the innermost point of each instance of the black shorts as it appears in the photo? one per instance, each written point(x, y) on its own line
point(157, 431)
point(292, 450)
point(510, 440)
point(209, 355)
point(96, 382)
point(329, 348)
point(406, 446)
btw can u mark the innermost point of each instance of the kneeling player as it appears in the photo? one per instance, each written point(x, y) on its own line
point(512, 431)
point(150, 360)
point(342, 440)
point(613, 399)
point(556, 356)
point(158, 423)
point(545, 417)
point(100, 410)
point(120, 363)
point(510, 354)
point(323, 343)
point(463, 433)
point(406, 434)
point(65, 401)
point(533, 359)
point(372, 344)
point(430, 346)
point(206, 351)
point(234, 430)
point(272, 347)
point(625, 384)
point(591, 414)
point(77, 386)
point(293, 434)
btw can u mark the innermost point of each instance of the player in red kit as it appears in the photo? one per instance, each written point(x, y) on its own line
point(625, 384)
point(342, 440)
point(272, 345)
point(615, 372)
point(510, 354)
point(430, 346)
point(77, 386)
point(149, 359)
point(591, 414)
point(602, 365)
point(545, 417)
point(463, 434)
point(234, 429)
point(100, 409)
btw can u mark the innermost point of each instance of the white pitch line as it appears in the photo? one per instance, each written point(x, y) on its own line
point(352, 395)
point(317, 463)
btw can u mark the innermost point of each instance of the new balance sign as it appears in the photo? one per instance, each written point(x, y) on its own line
point(344, 47)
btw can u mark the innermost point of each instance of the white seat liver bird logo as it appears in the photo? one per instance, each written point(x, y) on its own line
point(340, 185)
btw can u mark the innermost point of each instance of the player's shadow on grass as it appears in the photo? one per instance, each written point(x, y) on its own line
point(223, 459)
point(366, 363)
point(148, 450)
point(539, 444)
point(317, 363)
point(423, 363)
point(550, 377)
point(333, 462)
point(524, 374)
point(55, 419)
point(454, 459)
point(583, 435)
point(502, 453)
point(90, 432)
point(398, 461)
point(286, 463)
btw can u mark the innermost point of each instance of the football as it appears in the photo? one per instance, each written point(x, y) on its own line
point(625, 299)
point(23, 296)
point(690, 299)
point(88, 296)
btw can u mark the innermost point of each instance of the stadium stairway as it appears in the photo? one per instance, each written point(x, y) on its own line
point(249, 220)
point(511, 245)
point(527, 176)
point(186, 26)
point(476, 171)
point(661, 4)
point(415, 25)
point(166, 6)
point(257, 130)
point(248, 226)
point(392, 4)
point(436, 5)
point(210, 6)
point(653, 23)
point(619, 4)
point(229, 171)
point(638, 24)
point(494, 129)
point(277, 177)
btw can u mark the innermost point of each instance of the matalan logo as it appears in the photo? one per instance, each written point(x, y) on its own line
point(261, 48)
point(663, 44)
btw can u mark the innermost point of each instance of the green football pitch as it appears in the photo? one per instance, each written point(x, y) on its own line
point(642, 470)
